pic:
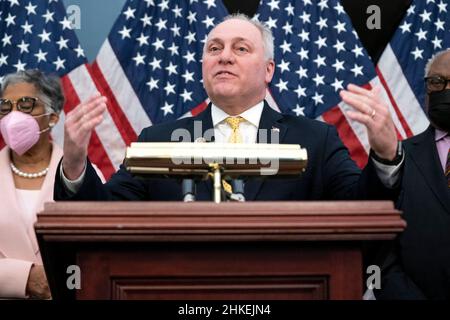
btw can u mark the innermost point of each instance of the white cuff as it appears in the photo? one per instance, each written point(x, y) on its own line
point(388, 174)
point(72, 186)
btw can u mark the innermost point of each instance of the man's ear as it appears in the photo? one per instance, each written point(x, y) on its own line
point(270, 69)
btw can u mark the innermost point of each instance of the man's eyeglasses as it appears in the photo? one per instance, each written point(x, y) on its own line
point(24, 104)
point(436, 83)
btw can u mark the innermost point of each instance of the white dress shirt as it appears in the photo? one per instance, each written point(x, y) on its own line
point(247, 128)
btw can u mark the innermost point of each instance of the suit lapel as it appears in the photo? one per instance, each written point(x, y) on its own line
point(270, 130)
point(269, 124)
point(425, 156)
point(201, 127)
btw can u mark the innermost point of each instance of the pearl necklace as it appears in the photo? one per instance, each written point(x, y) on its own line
point(28, 175)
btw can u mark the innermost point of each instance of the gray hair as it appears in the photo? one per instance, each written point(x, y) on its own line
point(266, 33)
point(48, 87)
point(433, 59)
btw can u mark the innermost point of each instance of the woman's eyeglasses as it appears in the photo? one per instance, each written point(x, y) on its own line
point(24, 104)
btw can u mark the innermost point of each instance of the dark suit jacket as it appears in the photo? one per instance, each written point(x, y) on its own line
point(419, 266)
point(330, 173)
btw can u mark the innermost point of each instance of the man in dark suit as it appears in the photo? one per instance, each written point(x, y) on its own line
point(419, 266)
point(237, 67)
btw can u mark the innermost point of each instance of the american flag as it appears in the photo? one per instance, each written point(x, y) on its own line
point(318, 53)
point(150, 67)
point(423, 32)
point(37, 34)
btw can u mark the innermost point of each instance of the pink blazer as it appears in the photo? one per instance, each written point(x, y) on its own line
point(18, 244)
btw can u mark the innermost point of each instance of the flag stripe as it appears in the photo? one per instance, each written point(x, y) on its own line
point(335, 117)
point(119, 85)
point(384, 95)
point(359, 130)
point(96, 151)
point(197, 110)
point(120, 119)
point(200, 108)
point(57, 133)
point(106, 131)
point(98, 156)
point(394, 80)
point(402, 121)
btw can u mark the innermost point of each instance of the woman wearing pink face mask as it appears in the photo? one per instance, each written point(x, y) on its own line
point(30, 103)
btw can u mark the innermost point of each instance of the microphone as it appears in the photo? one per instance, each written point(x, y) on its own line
point(237, 186)
point(188, 185)
point(188, 190)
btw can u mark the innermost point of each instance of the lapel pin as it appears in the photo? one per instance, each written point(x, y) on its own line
point(200, 140)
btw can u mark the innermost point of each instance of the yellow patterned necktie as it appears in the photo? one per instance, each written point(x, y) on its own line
point(234, 122)
point(235, 137)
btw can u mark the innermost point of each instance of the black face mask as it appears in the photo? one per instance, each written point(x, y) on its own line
point(439, 109)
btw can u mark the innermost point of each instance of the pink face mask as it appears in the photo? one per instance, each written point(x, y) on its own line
point(20, 131)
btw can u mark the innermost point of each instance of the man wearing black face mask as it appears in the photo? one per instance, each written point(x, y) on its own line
point(419, 266)
point(439, 102)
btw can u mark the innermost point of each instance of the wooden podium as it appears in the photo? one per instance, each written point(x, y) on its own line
point(202, 250)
